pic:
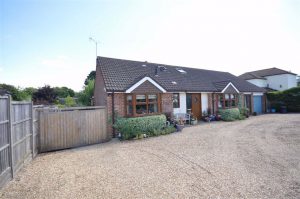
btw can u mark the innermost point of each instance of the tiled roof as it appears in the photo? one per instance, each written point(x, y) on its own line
point(261, 74)
point(119, 75)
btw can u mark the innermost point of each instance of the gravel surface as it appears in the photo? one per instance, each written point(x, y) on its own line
point(255, 158)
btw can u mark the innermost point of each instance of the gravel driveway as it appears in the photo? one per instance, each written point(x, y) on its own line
point(255, 158)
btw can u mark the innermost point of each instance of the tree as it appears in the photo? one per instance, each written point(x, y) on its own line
point(85, 96)
point(14, 92)
point(91, 76)
point(29, 90)
point(64, 92)
point(44, 95)
point(17, 93)
point(69, 101)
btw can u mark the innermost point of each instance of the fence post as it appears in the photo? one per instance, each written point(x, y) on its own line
point(31, 129)
point(39, 130)
point(10, 137)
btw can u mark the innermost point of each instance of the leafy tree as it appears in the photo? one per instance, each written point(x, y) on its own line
point(85, 96)
point(44, 95)
point(15, 93)
point(91, 76)
point(29, 90)
point(289, 98)
point(64, 92)
point(69, 101)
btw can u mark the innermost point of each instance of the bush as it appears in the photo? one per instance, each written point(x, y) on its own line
point(45, 95)
point(168, 130)
point(85, 96)
point(244, 112)
point(133, 127)
point(289, 98)
point(69, 101)
point(230, 114)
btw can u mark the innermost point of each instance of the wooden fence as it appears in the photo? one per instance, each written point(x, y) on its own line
point(73, 127)
point(16, 137)
point(26, 130)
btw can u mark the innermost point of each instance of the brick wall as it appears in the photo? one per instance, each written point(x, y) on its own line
point(210, 103)
point(146, 87)
point(99, 92)
point(119, 99)
point(120, 106)
point(264, 103)
point(166, 103)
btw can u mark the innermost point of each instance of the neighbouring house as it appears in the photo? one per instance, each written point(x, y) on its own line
point(272, 79)
point(136, 88)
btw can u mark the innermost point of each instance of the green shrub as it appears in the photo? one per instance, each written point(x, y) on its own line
point(242, 117)
point(169, 129)
point(289, 98)
point(230, 114)
point(133, 127)
point(244, 112)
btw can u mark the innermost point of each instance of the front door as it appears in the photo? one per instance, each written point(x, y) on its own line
point(196, 105)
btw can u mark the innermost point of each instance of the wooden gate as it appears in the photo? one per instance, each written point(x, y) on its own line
point(72, 127)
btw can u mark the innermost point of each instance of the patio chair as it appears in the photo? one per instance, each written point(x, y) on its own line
point(184, 116)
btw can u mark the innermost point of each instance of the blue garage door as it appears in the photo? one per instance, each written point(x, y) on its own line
point(257, 104)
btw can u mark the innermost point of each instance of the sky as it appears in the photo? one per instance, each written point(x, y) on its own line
point(47, 42)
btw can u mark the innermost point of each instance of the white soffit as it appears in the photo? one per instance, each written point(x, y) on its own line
point(228, 86)
point(129, 90)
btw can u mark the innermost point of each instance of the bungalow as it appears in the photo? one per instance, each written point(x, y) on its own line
point(135, 88)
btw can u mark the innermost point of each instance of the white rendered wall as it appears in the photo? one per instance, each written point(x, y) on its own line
point(292, 81)
point(282, 82)
point(258, 82)
point(182, 102)
point(204, 102)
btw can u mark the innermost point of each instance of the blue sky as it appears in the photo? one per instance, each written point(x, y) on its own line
point(46, 42)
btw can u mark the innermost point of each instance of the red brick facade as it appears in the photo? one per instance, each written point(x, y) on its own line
point(167, 103)
point(120, 105)
point(146, 87)
point(99, 92)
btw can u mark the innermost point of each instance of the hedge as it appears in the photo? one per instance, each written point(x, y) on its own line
point(289, 98)
point(230, 114)
point(135, 127)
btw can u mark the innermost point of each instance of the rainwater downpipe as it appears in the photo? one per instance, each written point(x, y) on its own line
point(113, 111)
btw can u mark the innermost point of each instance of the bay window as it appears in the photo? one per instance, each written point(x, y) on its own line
point(142, 104)
point(227, 100)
